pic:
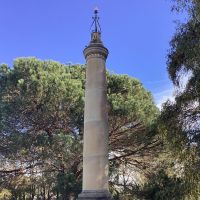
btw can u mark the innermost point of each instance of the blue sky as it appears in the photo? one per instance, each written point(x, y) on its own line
point(136, 32)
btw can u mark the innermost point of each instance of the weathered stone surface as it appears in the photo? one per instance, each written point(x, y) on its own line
point(95, 148)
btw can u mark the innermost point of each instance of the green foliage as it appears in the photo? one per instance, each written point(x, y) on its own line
point(127, 97)
point(41, 127)
point(38, 89)
point(5, 194)
point(180, 119)
point(66, 185)
point(162, 187)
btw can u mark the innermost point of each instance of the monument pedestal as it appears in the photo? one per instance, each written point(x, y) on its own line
point(95, 195)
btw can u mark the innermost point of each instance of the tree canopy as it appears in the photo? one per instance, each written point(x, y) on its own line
point(181, 117)
point(41, 127)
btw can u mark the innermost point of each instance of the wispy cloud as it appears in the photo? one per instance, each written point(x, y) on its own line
point(168, 93)
point(163, 96)
point(162, 91)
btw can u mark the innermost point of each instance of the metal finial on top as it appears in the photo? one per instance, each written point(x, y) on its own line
point(97, 27)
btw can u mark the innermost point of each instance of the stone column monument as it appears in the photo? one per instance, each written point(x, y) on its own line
point(95, 148)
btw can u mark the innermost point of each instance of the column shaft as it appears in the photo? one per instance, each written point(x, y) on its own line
point(95, 153)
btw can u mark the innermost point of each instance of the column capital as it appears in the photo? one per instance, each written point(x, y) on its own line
point(96, 50)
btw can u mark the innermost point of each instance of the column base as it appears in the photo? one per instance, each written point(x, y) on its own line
point(95, 195)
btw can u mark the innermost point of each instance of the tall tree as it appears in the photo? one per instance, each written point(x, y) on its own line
point(181, 118)
point(41, 125)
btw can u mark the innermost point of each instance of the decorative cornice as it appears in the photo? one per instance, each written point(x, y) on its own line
point(95, 50)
